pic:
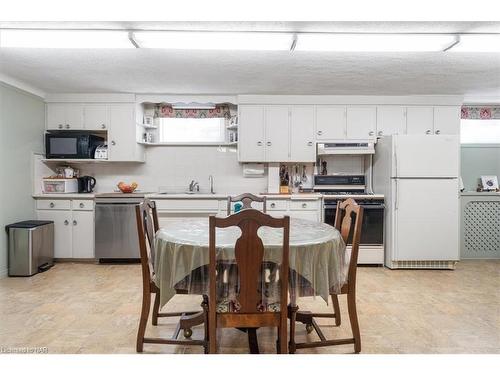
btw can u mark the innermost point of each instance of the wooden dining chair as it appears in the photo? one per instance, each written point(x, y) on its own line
point(147, 226)
point(249, 309)
point(348, 221)
point(246, 199)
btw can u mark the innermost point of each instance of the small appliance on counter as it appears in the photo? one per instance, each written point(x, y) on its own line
point(101, 152)
point(86, 184)
point(59, 185)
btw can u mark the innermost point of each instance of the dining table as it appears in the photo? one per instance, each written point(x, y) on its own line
point(317, 256)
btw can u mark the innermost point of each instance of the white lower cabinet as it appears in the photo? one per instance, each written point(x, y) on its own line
point(63, 245)
point(73, 229)
point(83, 234)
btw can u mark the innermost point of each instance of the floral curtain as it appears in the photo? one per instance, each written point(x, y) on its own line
point(480, 112)
point(166, 110)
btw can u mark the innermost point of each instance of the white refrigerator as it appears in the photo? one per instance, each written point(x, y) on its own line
point(418, 174)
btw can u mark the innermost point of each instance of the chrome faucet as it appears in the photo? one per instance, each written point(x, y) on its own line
point(211, 181)
point(194, 186)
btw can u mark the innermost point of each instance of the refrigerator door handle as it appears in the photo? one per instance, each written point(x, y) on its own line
point(396, 195)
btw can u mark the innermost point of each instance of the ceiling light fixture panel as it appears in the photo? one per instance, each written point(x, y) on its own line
point(373, 42)
point(478, 43)
point(64, 39)
point(214, 40)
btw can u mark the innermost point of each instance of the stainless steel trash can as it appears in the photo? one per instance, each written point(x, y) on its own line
point(31, 247)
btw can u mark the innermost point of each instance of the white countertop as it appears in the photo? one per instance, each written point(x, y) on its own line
point(65, 196)
point(481, 193)
point(298, 196)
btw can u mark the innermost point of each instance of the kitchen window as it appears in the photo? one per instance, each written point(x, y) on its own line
point(191, 130)
point(480, 131)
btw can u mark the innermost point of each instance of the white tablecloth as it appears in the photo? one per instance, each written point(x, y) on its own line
point(317, 254)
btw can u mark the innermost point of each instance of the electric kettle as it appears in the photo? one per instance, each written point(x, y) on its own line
point(86, 184)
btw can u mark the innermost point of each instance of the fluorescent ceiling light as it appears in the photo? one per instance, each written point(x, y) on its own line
point(64, 39)
point(200, 40)
point(477, 43)
point(373, 42)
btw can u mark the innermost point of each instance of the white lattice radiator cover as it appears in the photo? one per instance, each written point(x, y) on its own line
point(424, 264)
point(482, 229)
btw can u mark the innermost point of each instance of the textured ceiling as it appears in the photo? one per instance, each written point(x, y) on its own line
point(258, 72)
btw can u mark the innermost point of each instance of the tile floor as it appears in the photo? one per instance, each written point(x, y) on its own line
point(91, 308)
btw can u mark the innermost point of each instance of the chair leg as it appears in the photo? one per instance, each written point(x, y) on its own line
point(292, 311)
point(204, 305)
point(336, 309)
point(353, 317)
point(156, 309)
point(146, 304)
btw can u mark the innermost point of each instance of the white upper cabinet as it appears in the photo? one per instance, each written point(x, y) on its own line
point(122, 137)
point(56, 116)
point(251, 133)
point(277, 133)
point(302, 144)
point(74, 116)
point(330, 122)
point(361, 122)
point(447, 120)
point(391, 119)
point(64, 116)
point(96, 117)
point(419, 120)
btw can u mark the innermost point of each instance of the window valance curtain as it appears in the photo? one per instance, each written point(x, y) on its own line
point(480, 112)
point(166, 110)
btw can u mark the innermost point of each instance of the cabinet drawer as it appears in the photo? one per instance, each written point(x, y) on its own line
point(82, 204)
point(304, 205)
point(53, 204)
point(187, 205)
point(275, 205)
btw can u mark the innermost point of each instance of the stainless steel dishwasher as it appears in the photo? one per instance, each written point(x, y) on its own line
point(116, 228)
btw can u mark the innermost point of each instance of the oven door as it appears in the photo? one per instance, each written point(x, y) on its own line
point(372, 228)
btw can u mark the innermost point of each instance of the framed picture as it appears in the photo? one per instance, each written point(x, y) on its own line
point(489, 182)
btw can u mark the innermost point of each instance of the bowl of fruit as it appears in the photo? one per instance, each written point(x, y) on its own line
point(125, 188)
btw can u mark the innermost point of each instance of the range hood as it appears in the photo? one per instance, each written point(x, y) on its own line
point(346, 148)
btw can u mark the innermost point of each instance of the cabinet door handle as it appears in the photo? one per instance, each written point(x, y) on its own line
point(60, 126)
point(66, 222)
point(273, 205)
point(380, 132)
point(259, 143)
point(371, 133)
point(52, 205)
point(113, 143)
point(269, 143)
point(304, 205)
point(67, 126)
point(309, 143)
point(74, 222)
point(103, 126)
point(82, 205)
point(438, 131)
point(428, 132)
point(319, 132)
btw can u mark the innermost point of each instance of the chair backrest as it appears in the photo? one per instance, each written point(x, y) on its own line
point(249, 254)
point(147, 226)
point(246, 199)
point(348, 219)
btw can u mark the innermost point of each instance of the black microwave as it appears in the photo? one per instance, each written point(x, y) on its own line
point(71, 145)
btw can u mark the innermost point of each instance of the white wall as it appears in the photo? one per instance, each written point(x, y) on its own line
point(22, 122)
point(175, 167)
